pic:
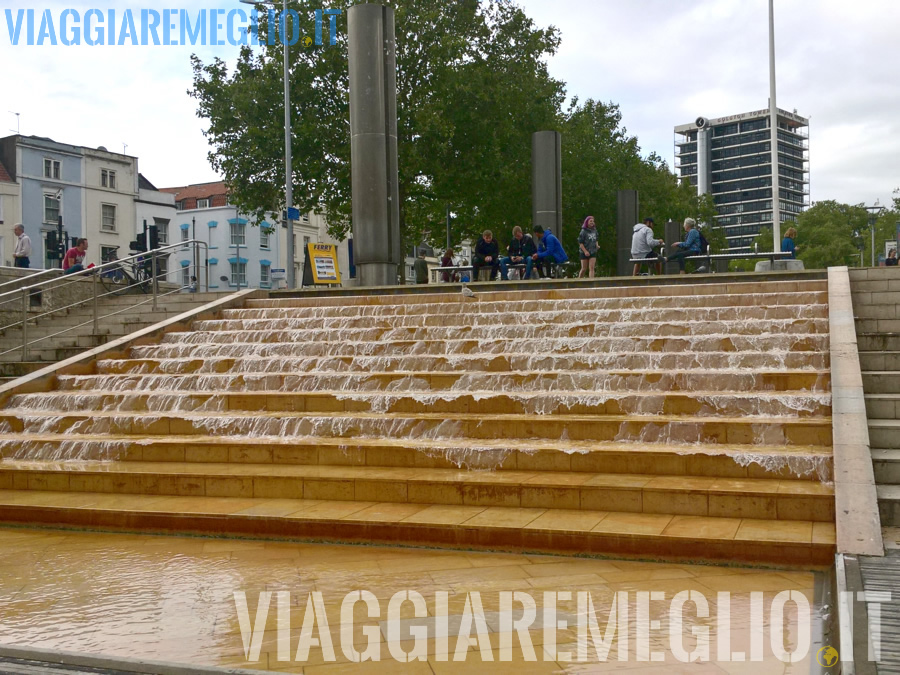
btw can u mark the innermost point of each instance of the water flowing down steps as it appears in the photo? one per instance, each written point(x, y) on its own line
point(672, 421)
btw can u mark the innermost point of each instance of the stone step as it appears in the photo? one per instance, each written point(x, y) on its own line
point(737, 293)
point(495, 331)
point(891, 537)
point(345, 347)
point(624, 493)
point(485, 402)
point(474, 363)
point(879, 361)
point(884, 434)
point(889, 504)
point(719, 460)
point(882, 406)
point(886, 464)
point(531, 318)
point(624, 428)
point(881, 382)
point(453, 305)
point(653, 536)
point(878, 342)
point(595, 381)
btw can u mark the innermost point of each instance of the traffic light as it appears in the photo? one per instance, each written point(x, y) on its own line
point(140, 245)
point(154, 237)
point(52, 246)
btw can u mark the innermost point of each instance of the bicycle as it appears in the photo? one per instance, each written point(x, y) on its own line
point(118, 281)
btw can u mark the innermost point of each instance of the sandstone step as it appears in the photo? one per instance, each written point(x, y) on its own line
point(629, 493)
point(882, 406)
point(595, 381)
point(718, 460)
point(889, 504)
point(783, 404)
point(474, 363)
point(500, 332)
point(624, 428)
point(346, 347)
point(648, 536)
point(878, 342)
point(738, 293)
point(884, 434)
point(886, 464)
point(881, 382)
point(234, 319)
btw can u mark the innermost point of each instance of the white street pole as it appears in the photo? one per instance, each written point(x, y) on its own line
point(288, 184)
point(773, 123)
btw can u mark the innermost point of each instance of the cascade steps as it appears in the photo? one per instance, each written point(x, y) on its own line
point(688, 422)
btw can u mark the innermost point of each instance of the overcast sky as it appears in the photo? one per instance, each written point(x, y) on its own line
point(664, 61)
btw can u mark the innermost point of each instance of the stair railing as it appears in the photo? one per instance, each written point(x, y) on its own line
point(148, 283)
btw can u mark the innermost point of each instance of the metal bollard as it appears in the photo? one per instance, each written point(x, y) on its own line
point(96, 281)
point(155, 278)
point(25, 302)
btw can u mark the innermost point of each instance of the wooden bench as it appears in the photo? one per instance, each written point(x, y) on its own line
point(710, 257)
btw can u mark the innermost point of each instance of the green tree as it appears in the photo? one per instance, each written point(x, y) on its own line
point(472, 87)
point(830, 233)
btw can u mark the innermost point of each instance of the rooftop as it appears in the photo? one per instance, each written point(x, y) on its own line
point(198, 190)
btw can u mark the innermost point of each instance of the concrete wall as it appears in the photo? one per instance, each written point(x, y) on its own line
point(53, 297)
point(156, 208)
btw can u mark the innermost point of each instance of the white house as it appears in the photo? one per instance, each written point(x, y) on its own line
point(10, 214)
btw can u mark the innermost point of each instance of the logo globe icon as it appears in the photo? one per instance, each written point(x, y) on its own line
point(827, 656)
point(307, 41)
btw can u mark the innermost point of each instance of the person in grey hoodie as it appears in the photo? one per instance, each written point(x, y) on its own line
point(643, 244)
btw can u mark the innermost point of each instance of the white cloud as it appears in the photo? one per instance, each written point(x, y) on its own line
point(664, 62)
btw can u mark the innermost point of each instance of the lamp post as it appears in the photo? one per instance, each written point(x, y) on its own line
point(773, 123)
point(288, 183)
point(874, 213)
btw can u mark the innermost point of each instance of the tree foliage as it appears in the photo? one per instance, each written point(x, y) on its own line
point(472, 87)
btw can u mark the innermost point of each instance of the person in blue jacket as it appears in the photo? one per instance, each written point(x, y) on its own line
point(549, 251)
point(787, 244)
point(685, 249)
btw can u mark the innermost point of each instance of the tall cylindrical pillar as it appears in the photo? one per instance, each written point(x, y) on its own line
point(546, 180)
point(373, 144)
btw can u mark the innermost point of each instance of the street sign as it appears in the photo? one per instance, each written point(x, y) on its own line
point(323, 263)
point(278, 274)
point(293, 214)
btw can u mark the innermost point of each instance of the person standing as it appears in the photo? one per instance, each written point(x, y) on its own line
point(487, 254)
point(891, 260)
point(74, 260)
point(447, 261)
point(587, 247)
point(420, 266)
point(787, 244)
point(22, 254)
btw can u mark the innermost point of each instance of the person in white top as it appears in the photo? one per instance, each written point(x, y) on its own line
point(22, 254)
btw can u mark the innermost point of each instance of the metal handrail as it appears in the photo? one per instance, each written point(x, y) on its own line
point(94, 273)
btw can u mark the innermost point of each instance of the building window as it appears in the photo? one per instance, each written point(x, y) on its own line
point(265, 275)
point(264, 233)
point(108, 217)
point(51, 169)
point(162, 231)
point(1, 210)
point(239, 274)
point(108, 179)
point(184, 237)
point(305, 217)
point(51, 209)
point(185, 277)
point(238, 234)
point(179, 206)
point(202, 203)
point(305, 244)
point(108, 253)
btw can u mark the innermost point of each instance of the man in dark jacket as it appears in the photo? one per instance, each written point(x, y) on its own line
point(487, 254)
point(521, 247)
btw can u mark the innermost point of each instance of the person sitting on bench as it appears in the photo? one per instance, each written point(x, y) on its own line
point(487, 254)
point(521, 247)
point(687, 248)
point(643, 245)
point(550, 252)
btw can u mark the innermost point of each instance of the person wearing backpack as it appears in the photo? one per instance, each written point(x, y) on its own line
point(691, 246)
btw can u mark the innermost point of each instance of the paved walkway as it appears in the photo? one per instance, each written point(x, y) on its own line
point(172, 599)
